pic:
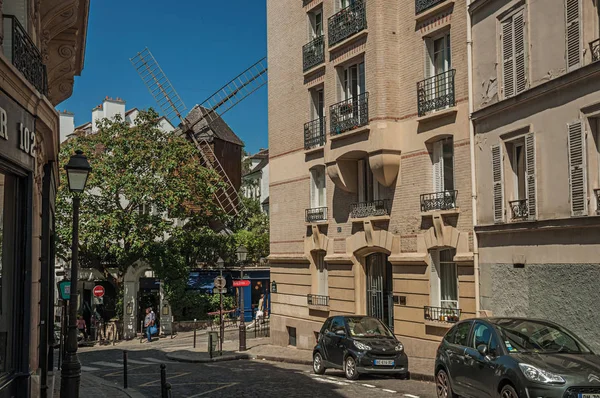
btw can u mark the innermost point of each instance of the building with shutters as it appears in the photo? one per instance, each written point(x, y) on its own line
point(536, 93)
point(370, 173)
point(255, 180)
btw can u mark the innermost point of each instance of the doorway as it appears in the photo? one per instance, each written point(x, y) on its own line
point(380, 300)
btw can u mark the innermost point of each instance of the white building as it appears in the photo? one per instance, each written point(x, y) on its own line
point(255, 183)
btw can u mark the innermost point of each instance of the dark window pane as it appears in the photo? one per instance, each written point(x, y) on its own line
point(462, 333)
point(337, 324)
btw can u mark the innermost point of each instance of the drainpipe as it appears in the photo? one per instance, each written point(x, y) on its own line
point(473, 169)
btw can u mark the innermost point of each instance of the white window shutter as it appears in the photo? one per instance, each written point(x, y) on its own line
point(498, 180)
point(429, 70)
point(573, 33)
point(361, 181)
point(508, 62)
point(530, 174)
point(438, 167)
point(313, 189)
point(520, 56)
point(577, 168)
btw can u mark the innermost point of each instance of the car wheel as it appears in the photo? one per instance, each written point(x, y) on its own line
point(508, 391)
point(442, 384)
point(350, 368)
point(318, 367)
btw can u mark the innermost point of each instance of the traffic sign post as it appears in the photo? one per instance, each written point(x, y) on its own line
point(98, 291)
point(220, 282)
point(64, 288)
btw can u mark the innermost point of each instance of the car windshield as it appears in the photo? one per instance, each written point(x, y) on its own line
point(521, 335)
point(367, 327)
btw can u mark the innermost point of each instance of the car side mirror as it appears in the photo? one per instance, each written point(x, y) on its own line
point(482, 349)
point(340, 332)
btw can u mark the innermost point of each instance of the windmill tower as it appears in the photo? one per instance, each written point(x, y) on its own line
point(204, 121)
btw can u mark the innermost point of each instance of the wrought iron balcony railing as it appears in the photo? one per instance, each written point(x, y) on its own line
point(349, 114)
point(436, 92)
point(422, 5)
point(314, 133)
point(519, 209)
point(23, 53)
point(347, 22)
point(597, 193)
point(314, 299)
point(313, 53)
point(595, 49)
point(316, 214)
point(371, 209)
point(445, 200)
point(441, 314)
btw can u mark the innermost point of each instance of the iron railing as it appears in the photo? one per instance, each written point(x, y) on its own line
point(436, 92)
point(445, 200)
point(441, 314)
point(422, 5)
point(316, 214)
point(520, 209)
point(595, 49)
point(349, 114)
point(347, 22)
point(24, 54)
point(371, 209)
point(597, 194)
point(314, 133)
point(313, 53)
point(314, 299)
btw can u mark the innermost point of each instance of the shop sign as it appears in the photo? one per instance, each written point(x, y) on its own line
point(17, 133)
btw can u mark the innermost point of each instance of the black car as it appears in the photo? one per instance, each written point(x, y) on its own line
point(359, 344)
point(515, 357)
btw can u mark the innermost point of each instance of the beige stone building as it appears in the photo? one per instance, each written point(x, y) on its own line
point(370, 185)
point(42, 49)
point(536, 94)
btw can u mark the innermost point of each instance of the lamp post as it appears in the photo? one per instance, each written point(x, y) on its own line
point(78, 170)
point(242, 253)
point(220, 265)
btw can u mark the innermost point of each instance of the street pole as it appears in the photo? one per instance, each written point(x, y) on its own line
point(242, 318)
point(71, 367)
point(222, 325)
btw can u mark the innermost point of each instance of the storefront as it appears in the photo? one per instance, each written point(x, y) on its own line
point(17, 162)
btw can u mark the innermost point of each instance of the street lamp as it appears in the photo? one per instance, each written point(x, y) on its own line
point(220, 265)
point(242, 254)
point(78, 170)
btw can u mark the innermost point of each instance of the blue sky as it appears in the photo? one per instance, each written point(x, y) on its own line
point(200, 45)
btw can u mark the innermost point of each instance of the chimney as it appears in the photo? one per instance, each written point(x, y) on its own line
point(113, 107)
point(67, 125)
point(97, 114)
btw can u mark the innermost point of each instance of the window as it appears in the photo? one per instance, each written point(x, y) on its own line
point(437, 56)
point(443, 165)
point(318, 196)
point(337, 324)
point(317, 108)
point(354, 81)
point(368, 187)
point(518, 167)
point(460, 334)
point(346, 3)
point(573, 33)
point(291, 336)
point(444, 279)
point(522, 188)
point(316, 24)
point(514, 59)
point(482, 334)
point(322, 275)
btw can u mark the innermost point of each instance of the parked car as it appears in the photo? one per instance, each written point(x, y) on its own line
point(515, 358)
point(359, 344)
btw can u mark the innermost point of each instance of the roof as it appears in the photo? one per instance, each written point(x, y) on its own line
point(262, 154)
point(261, 165)
point(131, 110)
point(218, 127)
point(266, 201)
point(84, 126)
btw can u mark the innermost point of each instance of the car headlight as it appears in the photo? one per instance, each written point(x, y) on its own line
point(399, 347)
point(361, 346)
point(541, 376)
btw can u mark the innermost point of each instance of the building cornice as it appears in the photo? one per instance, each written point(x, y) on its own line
point(540, 226)
point(590, 71)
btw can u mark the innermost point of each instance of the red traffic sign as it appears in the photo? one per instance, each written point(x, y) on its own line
point(241, 283)
point(98, 291)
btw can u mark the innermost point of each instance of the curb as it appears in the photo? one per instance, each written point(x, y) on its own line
point(209, 360)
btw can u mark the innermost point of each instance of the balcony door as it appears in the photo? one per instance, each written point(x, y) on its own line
point(444, 279)
point(368, 187)
point(443, 165)
point(318, 104)
point(318, 194)
point(354, 81)
point(438, 61)
point(380, 300)
point(316, 24)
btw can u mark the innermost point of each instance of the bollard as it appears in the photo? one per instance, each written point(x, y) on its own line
point(124, 368)
point(195, 333)
point(163, 380)
point(141, 331)
point(168, 390)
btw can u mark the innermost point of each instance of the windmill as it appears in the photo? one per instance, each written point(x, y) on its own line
point(203, 118)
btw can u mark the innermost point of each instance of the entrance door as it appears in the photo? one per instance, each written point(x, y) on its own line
point(380, 289)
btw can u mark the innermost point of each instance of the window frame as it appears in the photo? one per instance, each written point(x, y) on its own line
point(436, 283)
point(368, 186)
point(318, 194)
point(519, 8)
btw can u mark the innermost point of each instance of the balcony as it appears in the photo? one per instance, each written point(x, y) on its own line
point(314, 133)
point(23, 53)
point(595, 50)
point(313, 53)
point(597, 195)
point(436, 93)
point(423, 5)
point(441, 314)
point(349, 114)
point(317, 301)
point(316, 214)
point(347, 22)
point(445, 200)
point(519, 210)
point(376, 208)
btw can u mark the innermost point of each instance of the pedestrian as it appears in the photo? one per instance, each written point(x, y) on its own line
point(259, 310)
point(148, 323)
point(81, 326)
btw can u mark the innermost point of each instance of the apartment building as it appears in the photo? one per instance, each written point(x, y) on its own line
point(370, 181)
point(255, 181)
point(536, 82)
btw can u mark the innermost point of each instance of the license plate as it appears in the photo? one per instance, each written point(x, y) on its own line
point(390, 362)
point(589, 396)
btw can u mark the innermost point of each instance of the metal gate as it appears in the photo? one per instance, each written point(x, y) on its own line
point(379, 289)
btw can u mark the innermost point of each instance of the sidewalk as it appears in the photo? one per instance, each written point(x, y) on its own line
point(260, 348)
point(95, 387)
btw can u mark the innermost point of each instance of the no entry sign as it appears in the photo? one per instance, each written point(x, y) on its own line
point(241, 283)
point(98, 291)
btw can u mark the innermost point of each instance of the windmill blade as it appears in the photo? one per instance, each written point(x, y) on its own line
point(160, 87)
